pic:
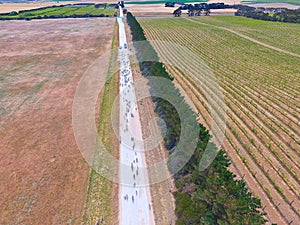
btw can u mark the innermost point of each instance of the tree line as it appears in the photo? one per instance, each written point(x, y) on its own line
point(53, 17)
point(212, 196)
point(270, 14)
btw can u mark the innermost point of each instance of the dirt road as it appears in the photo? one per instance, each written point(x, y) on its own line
point(135, 205)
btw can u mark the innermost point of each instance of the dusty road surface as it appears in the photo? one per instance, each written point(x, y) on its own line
point(134, 194)
point(43, 175)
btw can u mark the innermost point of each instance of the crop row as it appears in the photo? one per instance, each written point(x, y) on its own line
point(253, 152)
point(247, 107)
point(235, 143)
point(268, 123)
point(264, 31)
point(285, 113)
point(207, 185)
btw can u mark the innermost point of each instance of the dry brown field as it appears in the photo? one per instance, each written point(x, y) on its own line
point(44, 178)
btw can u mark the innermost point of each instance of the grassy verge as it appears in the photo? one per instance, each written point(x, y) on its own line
point(99, 201)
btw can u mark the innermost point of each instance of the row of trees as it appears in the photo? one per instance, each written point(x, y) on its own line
point(150, 66)
point(53, 17)
point(212, 196)
point(270, 14)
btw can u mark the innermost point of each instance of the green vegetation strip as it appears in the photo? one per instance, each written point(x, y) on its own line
point(295, 2)
point(212, 196)
point(160, 2)
point(63, 11)
point(99, 201)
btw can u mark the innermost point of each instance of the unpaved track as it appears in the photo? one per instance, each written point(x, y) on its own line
point(135, 206)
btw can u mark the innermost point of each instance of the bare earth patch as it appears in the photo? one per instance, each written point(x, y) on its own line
point(159, 10)
point(43, 175)
point(150, 10)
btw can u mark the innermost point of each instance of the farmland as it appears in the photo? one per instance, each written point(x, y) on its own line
point(234, 83)
point(158, 2)
point(63, 11)
point(296, 2)
point(256, 64)
point(44, 178)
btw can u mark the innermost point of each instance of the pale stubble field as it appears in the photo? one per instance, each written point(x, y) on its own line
point(44, 178)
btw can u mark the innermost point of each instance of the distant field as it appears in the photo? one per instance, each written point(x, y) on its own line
point(295, 2)
point(160, 1)
point(62, 11)
point(34, 1)
point(257, 66)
